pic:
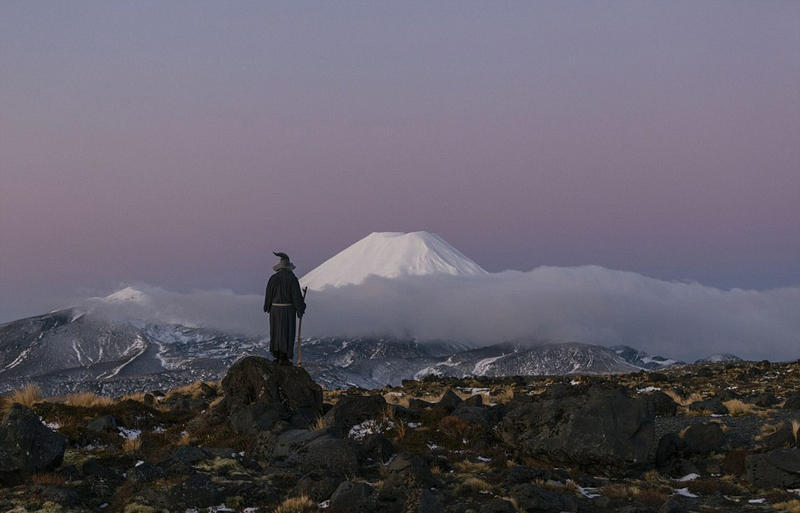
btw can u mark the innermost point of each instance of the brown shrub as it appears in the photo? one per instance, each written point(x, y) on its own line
point(711, 486)
point(27, 396)
point(301, 504)
point(458, 429)
point(48, 478)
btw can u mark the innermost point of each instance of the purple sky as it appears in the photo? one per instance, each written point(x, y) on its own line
point(178, 143)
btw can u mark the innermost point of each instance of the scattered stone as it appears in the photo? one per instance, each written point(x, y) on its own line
point(713, 405)
point(103, 423)
point(704, 438)
point(603, 427)
point(530, 497)
point(351, 496)
point(779, 468)
point(27, 445)
point(354, 409)
point(258, 393)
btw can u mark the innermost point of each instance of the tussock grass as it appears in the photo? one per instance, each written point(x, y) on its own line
point(476, 485)
point(737, 407)
point(471, 467)
point(795, 429)
point(27, 396)
point(681, 400)
point(301, 504)
point(318, 424)
point(792, 506)
point(400, 429)
point(48, 478)
point(87, 400)
point(619, 490)
point(132, 445)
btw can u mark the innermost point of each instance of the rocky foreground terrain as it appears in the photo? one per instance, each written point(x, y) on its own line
point(716, 437)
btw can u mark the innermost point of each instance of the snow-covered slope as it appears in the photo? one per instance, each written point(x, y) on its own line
point(391, 255)
point(720, 357)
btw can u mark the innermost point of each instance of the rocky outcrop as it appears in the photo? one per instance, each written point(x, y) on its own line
point(27, 445)
point(776, 469)
point(603, 427)
point(354, 409)
point(258, 393)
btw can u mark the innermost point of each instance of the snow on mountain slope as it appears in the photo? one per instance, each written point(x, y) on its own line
point(390, 255)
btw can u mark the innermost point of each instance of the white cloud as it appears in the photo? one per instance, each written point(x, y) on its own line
point(587, 304)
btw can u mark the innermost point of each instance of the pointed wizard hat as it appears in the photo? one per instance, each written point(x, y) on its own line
point(284, 263)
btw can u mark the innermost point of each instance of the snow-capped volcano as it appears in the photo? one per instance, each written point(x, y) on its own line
point(126, 295)
point(391, 255)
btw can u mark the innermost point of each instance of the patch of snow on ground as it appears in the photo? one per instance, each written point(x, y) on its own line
point(685, 492)
point(757, 501)
point(368, 427)
point(689, 477)
point(648, 389)
point(130, 434)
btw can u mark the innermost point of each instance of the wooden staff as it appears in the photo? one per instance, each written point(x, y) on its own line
point(299, 329)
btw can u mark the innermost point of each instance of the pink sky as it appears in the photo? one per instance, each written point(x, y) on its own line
point(178, 144)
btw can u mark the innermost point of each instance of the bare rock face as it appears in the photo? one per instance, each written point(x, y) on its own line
point(259, 393)
point(776, 469)
point(602, 427)
point(27, 445)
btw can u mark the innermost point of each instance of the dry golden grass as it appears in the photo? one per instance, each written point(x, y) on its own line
point(795, 429)
point(504, 396)
point(26, 396)
point(792, 506)
point(652, 496)
point(476, 485)
point(185, 439)
point(620, 491)
point(301, 504)
point(653, 477)
point(436, 470)
point(400, 429)
point(48, 478)
point(194, 390)
point(471, 467)
point(135, 396)
point(737, 407)
point(318, 424)
point(87, 400)
point(683, 401)
point(132, 445)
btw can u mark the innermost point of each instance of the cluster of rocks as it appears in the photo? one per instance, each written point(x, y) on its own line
point(267, 434)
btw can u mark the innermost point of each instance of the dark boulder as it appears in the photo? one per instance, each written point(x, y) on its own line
point(411, 466)
point(792, 401)
point(144, 472)
point(704, 438)
point(474, 400)
point(603, 428)
point(419, 404)
point(669, 449)
point(376, 448)
point(317, 485)
point(663, 405)
point(354, 409)
point(102, 423)
point(764, 400)
point(313, 451)
point(532, 498)
point(196, 491)
point(27, 445)
point(679, 504)
point(497, 506)
point(728, 395)
point(783, 436)
point(713, 405)
point(351, 496)
point(776, 469)
point(449, 401)
point(258, 393)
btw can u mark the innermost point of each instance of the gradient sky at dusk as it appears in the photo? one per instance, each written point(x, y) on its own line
point(178, 143)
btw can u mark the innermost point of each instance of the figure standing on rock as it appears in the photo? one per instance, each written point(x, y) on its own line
point(283, 301)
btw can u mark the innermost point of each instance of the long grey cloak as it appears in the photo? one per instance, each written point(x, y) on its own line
point(283, 287)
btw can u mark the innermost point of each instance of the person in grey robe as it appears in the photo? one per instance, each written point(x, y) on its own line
point(283, 302)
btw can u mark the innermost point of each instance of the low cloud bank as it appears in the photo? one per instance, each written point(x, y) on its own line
point(586, 304)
